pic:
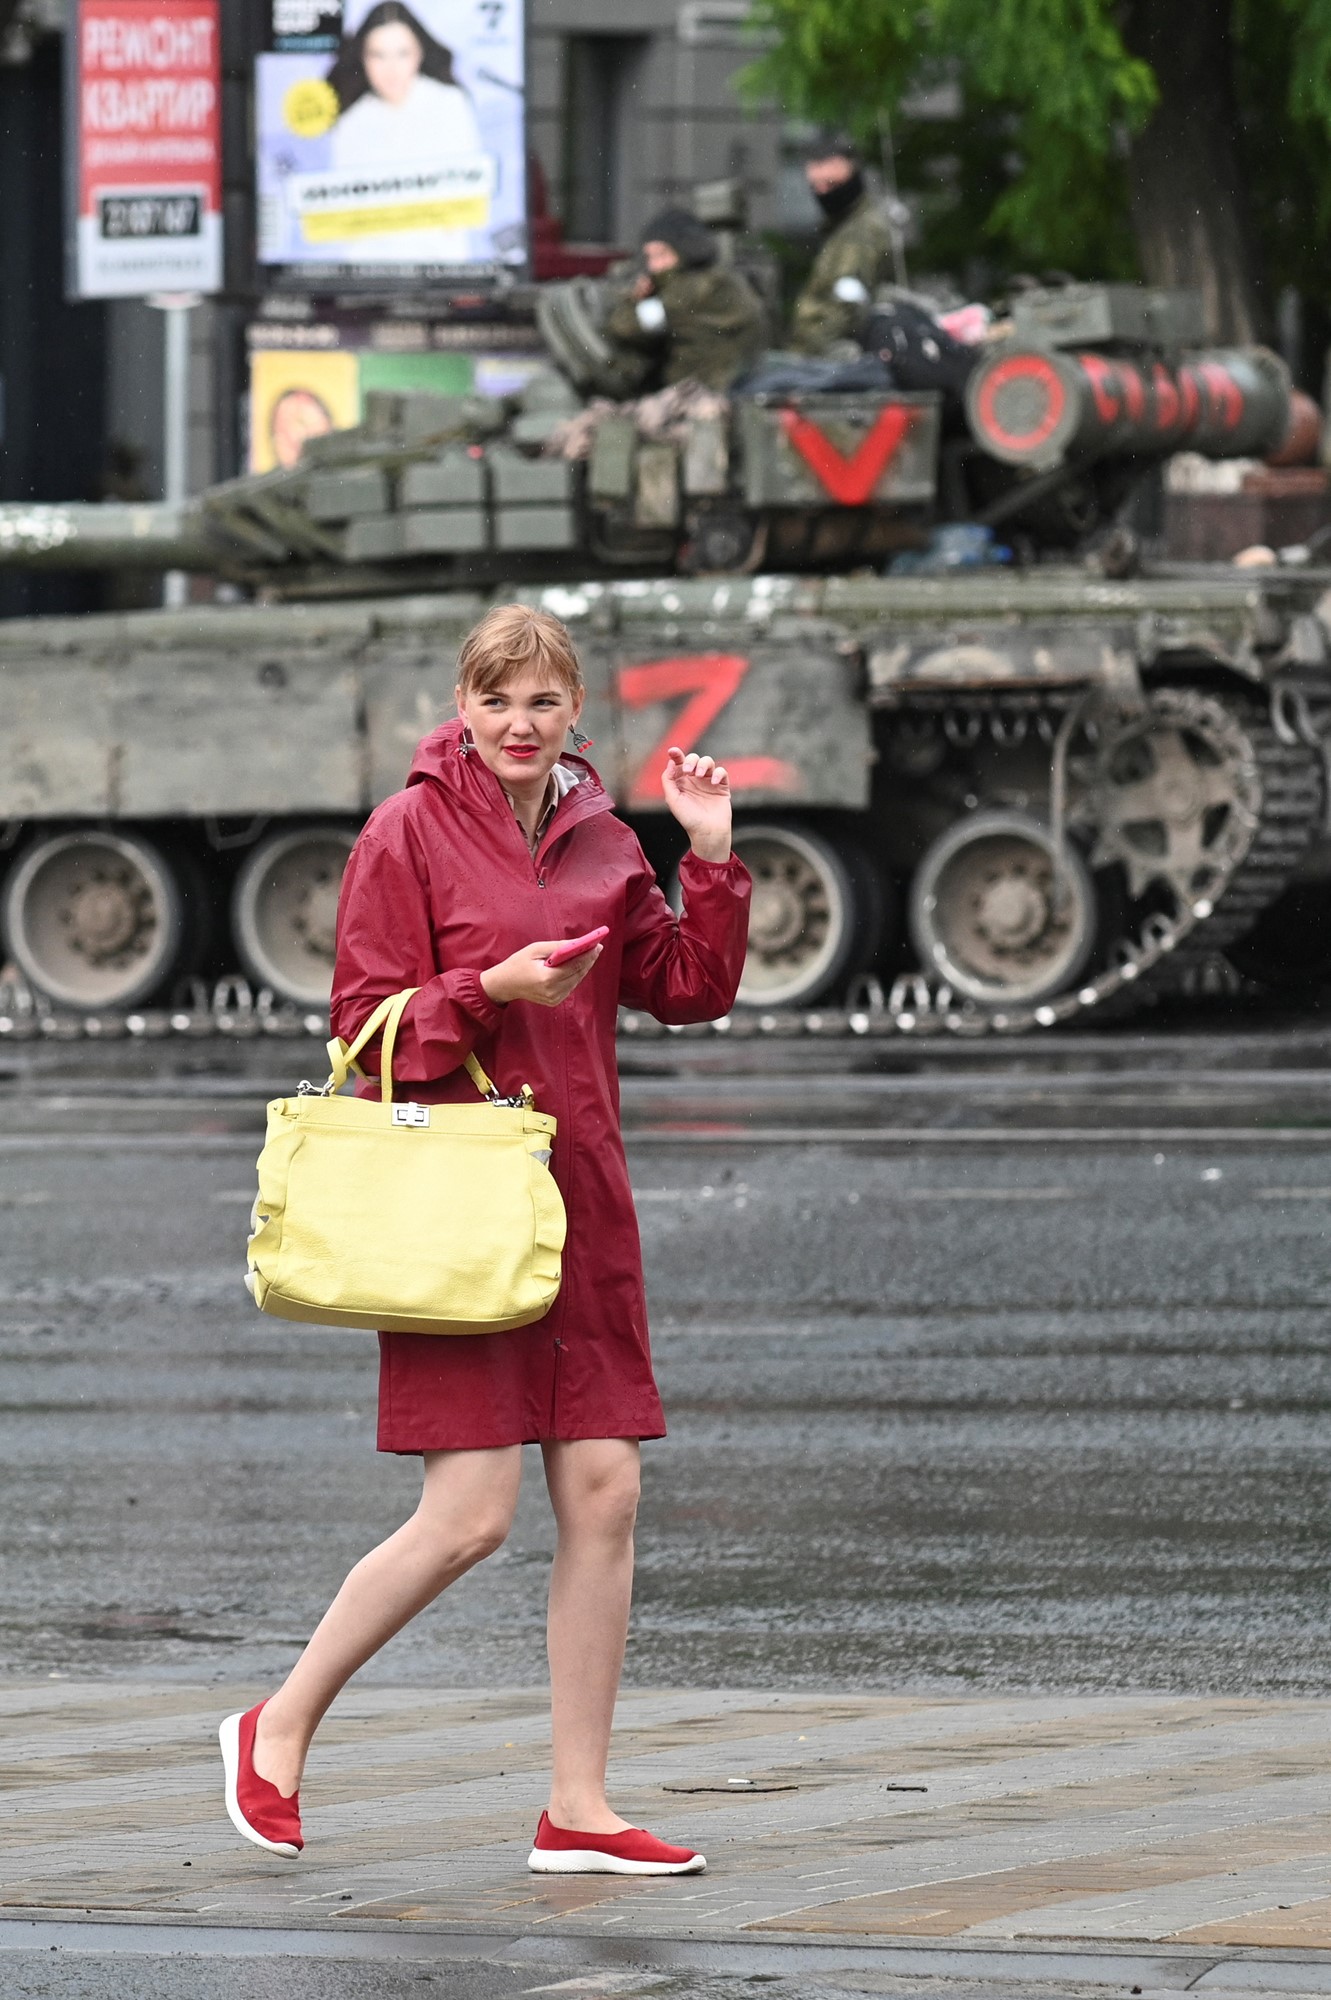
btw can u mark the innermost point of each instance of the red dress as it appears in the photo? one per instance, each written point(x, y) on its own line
point(440, 885)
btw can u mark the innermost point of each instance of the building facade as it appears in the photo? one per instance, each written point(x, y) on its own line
point(632, 104)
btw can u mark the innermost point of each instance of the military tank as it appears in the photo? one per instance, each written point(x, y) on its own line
point(990, 797)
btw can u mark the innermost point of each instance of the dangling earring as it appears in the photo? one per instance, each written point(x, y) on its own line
point(468, 742)
point(580, 742)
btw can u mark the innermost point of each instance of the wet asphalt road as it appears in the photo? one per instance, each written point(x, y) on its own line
point(435, 1968)
point(1041, 1416)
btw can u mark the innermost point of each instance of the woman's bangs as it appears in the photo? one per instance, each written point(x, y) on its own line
point(511, 641)
point(492, 675)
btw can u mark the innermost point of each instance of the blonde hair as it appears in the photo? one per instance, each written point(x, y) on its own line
point(513, 639)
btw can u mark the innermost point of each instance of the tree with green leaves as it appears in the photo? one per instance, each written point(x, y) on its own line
point(1182, 141)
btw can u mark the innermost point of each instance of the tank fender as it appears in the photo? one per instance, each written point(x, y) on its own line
point(1002, 656)
point(1307, 642)
point(1321, 611)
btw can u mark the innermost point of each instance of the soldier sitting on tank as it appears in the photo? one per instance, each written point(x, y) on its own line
point(856, 253)
point(686, 314)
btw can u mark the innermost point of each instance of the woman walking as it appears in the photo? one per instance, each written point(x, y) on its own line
point(501, 845)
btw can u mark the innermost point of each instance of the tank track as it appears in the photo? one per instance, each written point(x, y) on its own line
point(1290, 781)
point(1293, 785)
point(1289, 778)
point(1286, 779)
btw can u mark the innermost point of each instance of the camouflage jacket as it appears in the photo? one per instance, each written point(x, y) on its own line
point(859, 247)
point(714, 326)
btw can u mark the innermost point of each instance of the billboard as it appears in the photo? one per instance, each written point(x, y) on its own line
point(144, 111)
point(311, 378)
point(391, 139)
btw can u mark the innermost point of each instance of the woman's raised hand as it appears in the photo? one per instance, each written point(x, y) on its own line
point(524, 975)
point(698, 794)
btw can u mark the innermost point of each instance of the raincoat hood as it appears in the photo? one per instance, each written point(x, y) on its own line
point(470, 783)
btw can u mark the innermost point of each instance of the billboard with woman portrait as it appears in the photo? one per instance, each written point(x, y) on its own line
point(391, 139)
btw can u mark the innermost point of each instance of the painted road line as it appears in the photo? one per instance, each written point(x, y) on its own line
point(986, 1194)
point(1180, 1137)
point(677, 1194)
point(133, 1142)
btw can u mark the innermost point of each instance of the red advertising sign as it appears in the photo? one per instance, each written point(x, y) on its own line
point(146, 118)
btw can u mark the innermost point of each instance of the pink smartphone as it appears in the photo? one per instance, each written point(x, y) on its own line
point(575, 947)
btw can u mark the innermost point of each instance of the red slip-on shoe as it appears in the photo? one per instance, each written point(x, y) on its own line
point(255, 1808)
point(560, 1852)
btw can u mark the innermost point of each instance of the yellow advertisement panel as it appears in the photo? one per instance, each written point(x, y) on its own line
point(295, 396)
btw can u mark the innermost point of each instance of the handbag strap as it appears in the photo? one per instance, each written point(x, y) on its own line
point(388, 1016)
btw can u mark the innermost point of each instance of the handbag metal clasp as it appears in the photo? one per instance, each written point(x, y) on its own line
point(411, 1114)
point(523, 1101)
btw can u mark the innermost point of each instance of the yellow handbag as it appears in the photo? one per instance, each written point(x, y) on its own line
point(417, 1218)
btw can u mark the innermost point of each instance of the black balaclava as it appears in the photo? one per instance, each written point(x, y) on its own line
point(839, 200)
point(691, 240)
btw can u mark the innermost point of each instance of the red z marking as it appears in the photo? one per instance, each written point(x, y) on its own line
point(710, 680)
point(850, 481)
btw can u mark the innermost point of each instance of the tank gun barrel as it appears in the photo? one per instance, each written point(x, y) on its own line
point(104, 535)
point(1037, 406)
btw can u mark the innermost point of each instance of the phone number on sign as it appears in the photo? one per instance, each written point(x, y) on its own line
point(138, 215)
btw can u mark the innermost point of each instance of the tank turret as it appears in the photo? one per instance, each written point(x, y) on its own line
point(432, 490)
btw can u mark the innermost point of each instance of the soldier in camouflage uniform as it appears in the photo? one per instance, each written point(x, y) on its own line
point(856, 255)
point(687, 316)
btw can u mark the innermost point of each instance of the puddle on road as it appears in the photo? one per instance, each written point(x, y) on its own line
point(152, 1625)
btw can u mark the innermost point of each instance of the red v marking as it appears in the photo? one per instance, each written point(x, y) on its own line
point(850, 480)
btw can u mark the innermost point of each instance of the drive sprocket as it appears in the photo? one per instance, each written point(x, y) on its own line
point(1205, 809)
point(1173, 793)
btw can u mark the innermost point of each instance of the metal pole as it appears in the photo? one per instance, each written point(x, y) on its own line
point(175, 421)
point(897, 212)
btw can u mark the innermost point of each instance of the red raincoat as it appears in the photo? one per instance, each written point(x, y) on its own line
point(440, 885)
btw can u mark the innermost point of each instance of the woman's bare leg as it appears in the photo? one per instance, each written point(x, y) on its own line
point(465, 1511)
point(594, 1491)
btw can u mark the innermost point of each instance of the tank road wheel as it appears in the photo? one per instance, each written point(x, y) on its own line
point(814, 915)
point(992, 913)
point(284, 910)
point(95, 919)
